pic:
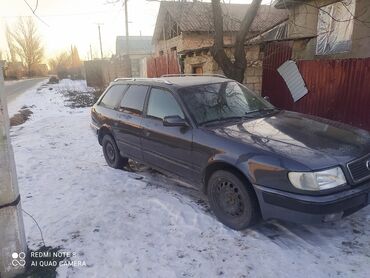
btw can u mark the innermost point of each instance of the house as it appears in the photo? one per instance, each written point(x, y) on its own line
point(139, 48)
point(186, 29)
point(324, 29)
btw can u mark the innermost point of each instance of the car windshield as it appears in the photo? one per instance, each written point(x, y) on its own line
point(221, 101)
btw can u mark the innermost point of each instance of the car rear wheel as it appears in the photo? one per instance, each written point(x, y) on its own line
point(232, 200)
point(111, 153)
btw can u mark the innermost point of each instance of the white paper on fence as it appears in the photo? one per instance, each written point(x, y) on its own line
point(293, 78)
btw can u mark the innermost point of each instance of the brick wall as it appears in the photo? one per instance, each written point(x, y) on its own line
point(253, 73)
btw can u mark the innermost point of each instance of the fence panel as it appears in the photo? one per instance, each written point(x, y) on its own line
point(165, 64)
point(338, 90)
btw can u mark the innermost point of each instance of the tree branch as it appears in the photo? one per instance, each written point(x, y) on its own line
point(234, 70)
point(218, 51)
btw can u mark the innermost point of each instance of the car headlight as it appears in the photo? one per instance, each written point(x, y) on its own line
point(318, 180)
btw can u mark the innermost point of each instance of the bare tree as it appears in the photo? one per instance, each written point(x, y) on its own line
point(11, 48)
point(60, 62)
point(25, 41)
point(66, 63)
point(232, 69)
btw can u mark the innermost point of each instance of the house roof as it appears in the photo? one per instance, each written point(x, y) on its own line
point(197, 17)
point(137, 44)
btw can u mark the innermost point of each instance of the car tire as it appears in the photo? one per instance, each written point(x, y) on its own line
point(232, 200)
point(111, 153)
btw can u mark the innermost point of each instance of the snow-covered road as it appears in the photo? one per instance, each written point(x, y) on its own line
point(142, 225)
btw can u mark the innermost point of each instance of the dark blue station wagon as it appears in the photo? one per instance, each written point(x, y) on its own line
point(251, 159)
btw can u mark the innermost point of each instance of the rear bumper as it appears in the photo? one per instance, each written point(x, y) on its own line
point(311, 209)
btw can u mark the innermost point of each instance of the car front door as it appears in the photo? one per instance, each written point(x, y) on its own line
point(166, 147)
point(128, 128)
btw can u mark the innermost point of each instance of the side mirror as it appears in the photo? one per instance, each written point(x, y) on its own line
point(267, 98)
point(174, 121)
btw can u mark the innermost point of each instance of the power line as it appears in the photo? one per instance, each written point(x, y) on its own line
point(37, 4)
point(61, 15)
point(34, 11)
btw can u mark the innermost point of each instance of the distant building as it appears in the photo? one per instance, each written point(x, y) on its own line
point(137, 45)
point(140, 47)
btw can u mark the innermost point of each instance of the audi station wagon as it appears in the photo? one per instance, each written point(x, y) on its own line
point(251, 159)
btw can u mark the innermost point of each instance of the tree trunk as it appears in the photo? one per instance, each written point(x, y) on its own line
point(234, 70)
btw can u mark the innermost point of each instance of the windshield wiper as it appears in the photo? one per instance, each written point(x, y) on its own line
point(250, 113)
point(222, 120)
point(246, 115)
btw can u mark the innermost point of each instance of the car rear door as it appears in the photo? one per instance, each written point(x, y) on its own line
point(166, 147)
point(128, 128)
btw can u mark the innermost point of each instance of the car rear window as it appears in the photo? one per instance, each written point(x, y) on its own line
point(134, 98)
point(113, 96)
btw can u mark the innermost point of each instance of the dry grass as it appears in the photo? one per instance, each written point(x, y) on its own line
point(21, 117)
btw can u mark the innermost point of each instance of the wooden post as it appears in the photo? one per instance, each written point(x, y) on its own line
point(13, 246)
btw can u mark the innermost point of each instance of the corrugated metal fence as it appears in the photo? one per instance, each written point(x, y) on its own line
point(165, 64)
point(337, 89)
point(273, 85)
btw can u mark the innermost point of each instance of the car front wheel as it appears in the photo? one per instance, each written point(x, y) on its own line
point(111, 153)
point(232, 200)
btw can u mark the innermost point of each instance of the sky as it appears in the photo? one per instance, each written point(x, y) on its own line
point(75, 22)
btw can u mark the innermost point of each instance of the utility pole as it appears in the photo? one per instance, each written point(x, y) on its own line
point(127, 34)
point(127, 42)
point(13, 245)
point(101, 47)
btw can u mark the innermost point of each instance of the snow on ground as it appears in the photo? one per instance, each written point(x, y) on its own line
point(125, 226)
point(16, 104)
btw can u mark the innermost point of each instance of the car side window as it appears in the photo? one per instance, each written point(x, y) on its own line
point(134, 98)
point(113, 96)
point(162, 103)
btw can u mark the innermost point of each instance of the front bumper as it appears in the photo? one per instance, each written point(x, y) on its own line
point(94, 129)
point(311, 209)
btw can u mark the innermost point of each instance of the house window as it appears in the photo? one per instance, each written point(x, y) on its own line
point(334, 28)
point(161, 53)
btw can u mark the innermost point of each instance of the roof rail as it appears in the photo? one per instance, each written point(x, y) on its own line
point(193, 74)
point(142, 79)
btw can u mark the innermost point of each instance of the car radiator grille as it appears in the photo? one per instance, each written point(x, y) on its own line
point(359, 169)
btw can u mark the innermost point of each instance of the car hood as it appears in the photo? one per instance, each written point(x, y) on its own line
point(313, 141)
